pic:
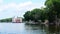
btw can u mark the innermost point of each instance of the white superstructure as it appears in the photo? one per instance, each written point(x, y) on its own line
point(17, 19)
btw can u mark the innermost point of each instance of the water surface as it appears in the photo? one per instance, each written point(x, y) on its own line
point(21, 28)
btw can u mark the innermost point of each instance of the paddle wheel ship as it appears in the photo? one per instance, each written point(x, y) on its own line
point(17, 19)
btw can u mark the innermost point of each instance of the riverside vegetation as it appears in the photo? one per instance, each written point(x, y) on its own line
point(50, 12)
point(6, 20)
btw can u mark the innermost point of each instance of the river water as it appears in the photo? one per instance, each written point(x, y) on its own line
point(21, 28)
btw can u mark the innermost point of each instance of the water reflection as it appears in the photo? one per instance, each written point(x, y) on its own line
point(54, 29)
point(21, 28)
point(51, 29)
point(33, 29)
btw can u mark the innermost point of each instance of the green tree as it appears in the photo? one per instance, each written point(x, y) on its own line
point(35, 14)
point(44, 14)
point(6, 20)
point(53, 7)
point(27, 15)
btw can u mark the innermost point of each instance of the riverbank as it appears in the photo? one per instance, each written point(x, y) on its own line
point(42, 23)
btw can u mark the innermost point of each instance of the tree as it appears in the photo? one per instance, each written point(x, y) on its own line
point(53, 7)
point(36, 14)
point(27, 15)
point(6, 20)
point(44, 14)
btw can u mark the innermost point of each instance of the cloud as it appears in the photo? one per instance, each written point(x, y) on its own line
point(14, 5)
point(10, 9)
point(25, 5)
point(1, 1)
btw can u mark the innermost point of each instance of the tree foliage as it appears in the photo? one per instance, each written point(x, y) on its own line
point(27, 15)
point(51, 12)
point(6, 20)
point(53, 8)
point(35, 15)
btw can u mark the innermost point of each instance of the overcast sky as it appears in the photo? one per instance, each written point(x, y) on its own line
point(11, 8)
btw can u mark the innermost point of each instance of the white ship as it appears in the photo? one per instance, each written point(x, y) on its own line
point(17, 19)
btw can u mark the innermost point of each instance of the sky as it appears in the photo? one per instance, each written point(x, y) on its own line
point(11, 8)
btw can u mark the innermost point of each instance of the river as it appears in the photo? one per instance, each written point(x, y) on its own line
point(21, 28)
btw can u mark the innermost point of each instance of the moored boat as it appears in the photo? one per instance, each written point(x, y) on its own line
point(17, 20)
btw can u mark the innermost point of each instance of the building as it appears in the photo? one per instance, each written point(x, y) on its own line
point(17, 19)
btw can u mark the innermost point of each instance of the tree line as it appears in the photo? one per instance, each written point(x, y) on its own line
point(51, 12)
point(6, 20)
